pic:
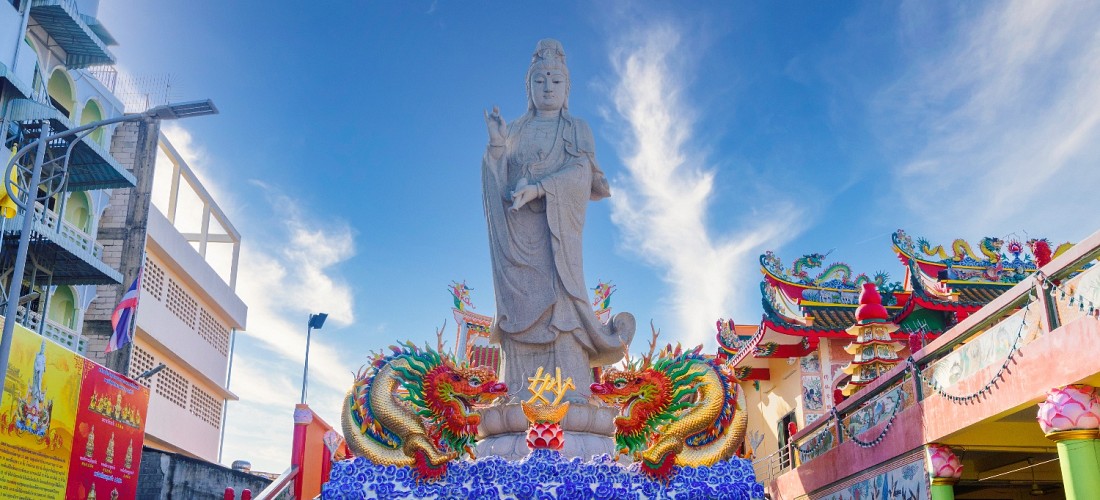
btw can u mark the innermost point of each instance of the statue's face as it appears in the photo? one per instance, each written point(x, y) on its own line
point(548, 89)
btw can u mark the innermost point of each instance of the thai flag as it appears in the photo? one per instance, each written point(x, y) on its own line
point(123, 317)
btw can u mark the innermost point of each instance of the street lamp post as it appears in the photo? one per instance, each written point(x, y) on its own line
point(315, 321)
point(30, 190)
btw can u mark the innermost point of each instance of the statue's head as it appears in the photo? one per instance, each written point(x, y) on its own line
point(548, 77)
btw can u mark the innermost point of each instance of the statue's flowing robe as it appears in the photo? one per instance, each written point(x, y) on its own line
point(536, 250)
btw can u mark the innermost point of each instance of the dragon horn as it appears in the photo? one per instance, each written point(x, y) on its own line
point(647, 360)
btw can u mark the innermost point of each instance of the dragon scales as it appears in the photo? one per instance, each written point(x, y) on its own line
point(415, 408)
point(681, 409)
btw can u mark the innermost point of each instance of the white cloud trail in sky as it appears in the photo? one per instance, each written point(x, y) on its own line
point(1009, 118)
point(662, 203)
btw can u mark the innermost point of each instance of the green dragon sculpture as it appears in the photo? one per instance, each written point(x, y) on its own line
point(682, 409)
point(808, 261)
point(879, 280)
point(415, 408)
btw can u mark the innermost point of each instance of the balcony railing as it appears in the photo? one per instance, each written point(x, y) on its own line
point(64, 229)
point(988, 341)
point(65, 336)
point(28, 318)
point(107, 75)
point(771, 466)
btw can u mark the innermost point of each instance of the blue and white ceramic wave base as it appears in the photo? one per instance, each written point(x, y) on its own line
point(544, 474)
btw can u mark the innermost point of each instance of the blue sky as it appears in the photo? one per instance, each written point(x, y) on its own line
point(348, 148)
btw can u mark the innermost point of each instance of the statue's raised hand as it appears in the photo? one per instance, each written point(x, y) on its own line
point(497, 128)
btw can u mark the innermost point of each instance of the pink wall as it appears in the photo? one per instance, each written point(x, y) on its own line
point(1068, 355)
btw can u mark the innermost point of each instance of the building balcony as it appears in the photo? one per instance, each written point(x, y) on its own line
point(975, 388)
point(65, 336)
point(28, 317)
point(61, 253)
point(91, 165)
point(82, 38)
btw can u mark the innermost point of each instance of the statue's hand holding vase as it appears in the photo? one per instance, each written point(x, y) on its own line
point(523, 194)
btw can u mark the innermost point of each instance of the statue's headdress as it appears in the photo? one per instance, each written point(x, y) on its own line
point(548, 55)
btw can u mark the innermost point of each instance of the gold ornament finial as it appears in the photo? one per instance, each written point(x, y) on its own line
point(543, 382)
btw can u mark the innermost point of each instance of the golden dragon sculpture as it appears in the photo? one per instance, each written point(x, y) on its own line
point(415, 408)
point(990, 247)
point(681, 409)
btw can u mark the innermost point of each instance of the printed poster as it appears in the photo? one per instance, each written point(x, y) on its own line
point(37, 417)
point(110, 427)
point(69, 428)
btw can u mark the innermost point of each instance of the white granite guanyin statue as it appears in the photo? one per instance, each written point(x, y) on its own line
point(539, 173)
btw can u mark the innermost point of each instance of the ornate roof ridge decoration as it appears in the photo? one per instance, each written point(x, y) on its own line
point(833, 284)
point(757, 347)
point(989, 266)
point(796, 303)
point(602, 300)
point(729, 341)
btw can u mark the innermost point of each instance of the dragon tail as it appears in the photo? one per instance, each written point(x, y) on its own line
point(726, 443)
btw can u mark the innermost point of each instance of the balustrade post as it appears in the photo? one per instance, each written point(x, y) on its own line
point(944, 470)
point(1070, 417)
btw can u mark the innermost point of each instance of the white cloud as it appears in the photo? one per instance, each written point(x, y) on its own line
point(283, 279)
point(662, 203)
point(1007, 117)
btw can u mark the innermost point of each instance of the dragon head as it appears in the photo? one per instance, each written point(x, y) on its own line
point(649, 396)
point(451, 395)
point(641, 395)
point(1040, 248)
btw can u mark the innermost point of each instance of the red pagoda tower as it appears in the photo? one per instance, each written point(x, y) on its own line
point(873, 350)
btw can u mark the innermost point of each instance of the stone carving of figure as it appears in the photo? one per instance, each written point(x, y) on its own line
point(539, 173)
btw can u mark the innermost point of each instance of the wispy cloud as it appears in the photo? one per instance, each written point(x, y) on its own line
point(284, 278)
point(1004, 120)
point(662, 202)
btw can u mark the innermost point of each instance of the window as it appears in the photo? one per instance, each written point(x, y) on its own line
point(63, 307)
point(78, 212)
point(92, 113)
point(60, 90)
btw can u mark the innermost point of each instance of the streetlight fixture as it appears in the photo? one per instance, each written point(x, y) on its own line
point(30, 190)
point(152, 371)
point(315, 321)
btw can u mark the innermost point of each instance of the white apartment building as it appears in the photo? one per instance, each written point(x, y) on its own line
point(90, 239)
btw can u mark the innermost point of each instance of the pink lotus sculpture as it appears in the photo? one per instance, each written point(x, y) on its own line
point(1070, 407)
point(942, 462)
point(545, 437)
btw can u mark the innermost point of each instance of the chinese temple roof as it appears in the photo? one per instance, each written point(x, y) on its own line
point(966, 280)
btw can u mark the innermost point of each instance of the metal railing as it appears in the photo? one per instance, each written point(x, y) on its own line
point(279, 485)
point(107, 75)
point(772, 466)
